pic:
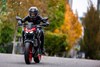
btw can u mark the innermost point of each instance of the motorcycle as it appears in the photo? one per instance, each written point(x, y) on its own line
point(31, 41)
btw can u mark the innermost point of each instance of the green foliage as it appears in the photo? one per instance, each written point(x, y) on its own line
point(6, 48)
point(0, 31)
point(55, 43)
point(56, 10)
point(19, 31)
point(91, 23)
point(2, 50)
point(6, 34)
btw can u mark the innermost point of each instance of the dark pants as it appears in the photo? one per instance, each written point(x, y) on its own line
point(42, 40)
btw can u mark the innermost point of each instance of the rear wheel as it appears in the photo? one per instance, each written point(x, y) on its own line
point(28, 53)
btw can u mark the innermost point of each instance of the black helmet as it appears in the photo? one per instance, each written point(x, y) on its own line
point(33, 12)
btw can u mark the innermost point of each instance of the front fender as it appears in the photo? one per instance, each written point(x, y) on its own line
point(30, 41)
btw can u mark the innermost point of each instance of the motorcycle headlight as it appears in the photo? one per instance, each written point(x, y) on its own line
point(31, 32)
point(26, 32)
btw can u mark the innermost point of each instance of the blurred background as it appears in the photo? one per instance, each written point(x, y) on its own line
point(74, 29)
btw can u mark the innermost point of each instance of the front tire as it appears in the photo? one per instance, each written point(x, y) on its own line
point(28, 53)
point(37, 59)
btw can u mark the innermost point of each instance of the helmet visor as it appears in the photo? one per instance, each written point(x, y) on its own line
point(32, 14)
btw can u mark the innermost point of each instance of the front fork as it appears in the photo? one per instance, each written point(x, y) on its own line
point(36, 49)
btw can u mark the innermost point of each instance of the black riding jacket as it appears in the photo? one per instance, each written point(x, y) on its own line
point(36, 20)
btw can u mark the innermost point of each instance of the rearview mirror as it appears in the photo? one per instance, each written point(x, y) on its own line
point(46, 18)
point(18, 18)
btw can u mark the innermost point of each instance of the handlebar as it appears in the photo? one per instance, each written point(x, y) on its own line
point(24, 24)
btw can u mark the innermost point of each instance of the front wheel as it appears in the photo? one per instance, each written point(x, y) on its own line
point(28, 53)
point(37, 59)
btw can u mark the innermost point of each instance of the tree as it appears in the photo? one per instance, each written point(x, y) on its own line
point(71, 27)
point(6, 34)
point(91, 40)
point(56, 11)
point(6, 30)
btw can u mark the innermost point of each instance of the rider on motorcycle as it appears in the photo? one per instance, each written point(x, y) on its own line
point(36, 19)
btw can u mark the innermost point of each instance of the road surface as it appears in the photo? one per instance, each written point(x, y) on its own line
point(9, 60)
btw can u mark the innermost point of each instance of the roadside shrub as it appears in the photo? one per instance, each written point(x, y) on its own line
point(55, 43)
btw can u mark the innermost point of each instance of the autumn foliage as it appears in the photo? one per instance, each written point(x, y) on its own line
point(71, 27)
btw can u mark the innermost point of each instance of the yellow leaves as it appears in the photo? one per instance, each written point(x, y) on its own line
point(63, 29)
point(56, 31)
point(70, 27)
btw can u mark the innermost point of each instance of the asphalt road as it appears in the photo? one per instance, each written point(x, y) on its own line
point(9, 60)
